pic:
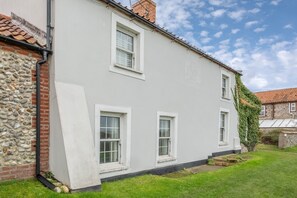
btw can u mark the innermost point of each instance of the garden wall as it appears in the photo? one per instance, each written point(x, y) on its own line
point(287, 139)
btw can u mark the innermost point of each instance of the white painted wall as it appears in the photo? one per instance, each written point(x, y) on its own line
point(33, 11)
point(176, 80)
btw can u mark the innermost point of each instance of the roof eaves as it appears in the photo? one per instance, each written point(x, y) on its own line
point(169, 34)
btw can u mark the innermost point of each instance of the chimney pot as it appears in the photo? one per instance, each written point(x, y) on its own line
point(146, 9)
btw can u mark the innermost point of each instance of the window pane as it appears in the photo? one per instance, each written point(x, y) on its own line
point(103, 121)
point(102, 158)
point(224, 92)
point(163, 146)
point(107, 146)
point(102, 133)
point(124, 58)
point(222, 131)
point(224, 82)
point(124, 41)
point(113, 122)
point(107, 157)
point(222, 120)
point(115, 156)
point(102, 146)
point(164, 124)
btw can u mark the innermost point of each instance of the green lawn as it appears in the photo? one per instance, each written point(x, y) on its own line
point(269, 173)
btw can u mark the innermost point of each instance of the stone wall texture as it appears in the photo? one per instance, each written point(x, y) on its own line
point(287, 139)
point(278, 111)
point(18, 114)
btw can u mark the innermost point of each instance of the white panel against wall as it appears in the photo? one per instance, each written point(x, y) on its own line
point(77, 136)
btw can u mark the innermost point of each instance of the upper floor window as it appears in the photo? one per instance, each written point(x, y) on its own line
point(225, 87)
point(292, 107)
point(127, 48)
point(263, 110)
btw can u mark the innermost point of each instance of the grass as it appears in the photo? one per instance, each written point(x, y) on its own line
point(269, 173)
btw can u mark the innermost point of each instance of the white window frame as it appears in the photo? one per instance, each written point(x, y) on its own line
point(128, 27)
point(263, 111)
point(125, 137)
point(292, 107)
point(225, 74)
point(225, 142)
point(172, 157)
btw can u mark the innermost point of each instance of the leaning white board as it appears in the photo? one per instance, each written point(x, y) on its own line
point(82, 167)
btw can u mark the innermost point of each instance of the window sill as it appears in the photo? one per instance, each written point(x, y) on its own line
point(166, 159)
point(115, 68)
point(107, 168)
point(129, 69)
point(222, 144)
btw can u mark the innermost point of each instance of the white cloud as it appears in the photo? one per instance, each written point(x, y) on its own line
point(275, 2)
point(205, 40)
point(235, 31)
point(202, 23)
point(280, 45)
point(225, 42)
point(257, 30)
point(208, 48)
point(250, 24)
point(264, 41)
point(254, 11)
point(223, 26)
point(258, 82)
point(189, 36)
point(204, 33)
point(237, 15)
point(288, 26)
point(218, 13)
point(218, 34)
point(223, 3)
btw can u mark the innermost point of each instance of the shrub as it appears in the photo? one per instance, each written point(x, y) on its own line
point(270, 137)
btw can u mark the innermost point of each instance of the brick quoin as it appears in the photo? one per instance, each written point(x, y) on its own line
point(25, 171)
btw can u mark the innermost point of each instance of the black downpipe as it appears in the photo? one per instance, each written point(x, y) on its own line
point(45, 54)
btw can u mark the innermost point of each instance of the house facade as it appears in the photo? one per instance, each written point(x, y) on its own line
point(128, 97)
point(278, 108)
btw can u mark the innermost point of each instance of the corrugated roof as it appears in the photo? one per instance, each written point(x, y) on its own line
point(278, 96)
point(165, 32)
point(12, 30)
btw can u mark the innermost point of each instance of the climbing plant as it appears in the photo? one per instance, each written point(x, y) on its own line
point(248, 107)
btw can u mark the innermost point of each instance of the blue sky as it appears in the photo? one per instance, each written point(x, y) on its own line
point(258, 37)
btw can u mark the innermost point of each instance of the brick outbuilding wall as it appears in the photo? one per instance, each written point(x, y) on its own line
point(18, 113)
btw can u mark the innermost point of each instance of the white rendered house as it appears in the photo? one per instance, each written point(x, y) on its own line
point(129, 98)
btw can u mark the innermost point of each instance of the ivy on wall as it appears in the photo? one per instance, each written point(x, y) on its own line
point(248, 107)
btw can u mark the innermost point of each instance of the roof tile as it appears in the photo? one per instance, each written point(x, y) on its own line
point(10, 29)
point(278, 96)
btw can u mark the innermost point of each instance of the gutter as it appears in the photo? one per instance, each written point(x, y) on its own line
point(168, 34)
point(23, 44)
point(45, 53)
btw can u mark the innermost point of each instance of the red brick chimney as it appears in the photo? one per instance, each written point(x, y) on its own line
point(145, 8)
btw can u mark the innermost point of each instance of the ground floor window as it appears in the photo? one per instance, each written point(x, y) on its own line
point(223, 133)
point(112, 137)
point(167, 137)
point(109, 138)
point(164, 136)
